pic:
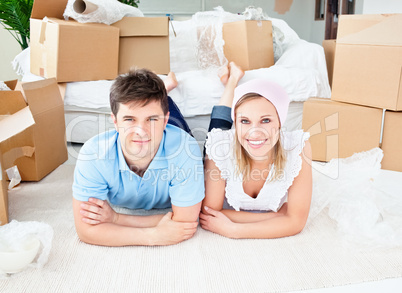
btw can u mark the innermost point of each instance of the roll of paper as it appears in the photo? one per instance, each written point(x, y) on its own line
point(84, 7)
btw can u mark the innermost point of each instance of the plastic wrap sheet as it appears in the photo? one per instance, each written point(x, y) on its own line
point(100, 11)
point(365, 215)
point(16, 232)
point(210, 43)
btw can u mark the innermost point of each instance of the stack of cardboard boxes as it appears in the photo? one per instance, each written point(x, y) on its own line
point(72, 51)
point(366, 103)
point(32, 133)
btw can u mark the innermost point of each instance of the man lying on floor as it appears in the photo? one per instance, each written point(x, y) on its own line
point(149, 161)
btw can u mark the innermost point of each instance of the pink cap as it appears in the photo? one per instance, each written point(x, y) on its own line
point(272, 91)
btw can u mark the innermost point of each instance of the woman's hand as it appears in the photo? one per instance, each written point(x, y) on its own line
point(218, 223)
point(97, 211)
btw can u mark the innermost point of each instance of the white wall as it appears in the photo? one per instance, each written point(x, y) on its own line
point(383, 6)
point(9, 48)
point(299, 17)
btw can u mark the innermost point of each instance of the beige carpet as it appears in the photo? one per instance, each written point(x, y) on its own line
point(208, 262)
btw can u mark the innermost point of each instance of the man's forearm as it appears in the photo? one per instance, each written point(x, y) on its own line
point(138, 221)
point(108, 234)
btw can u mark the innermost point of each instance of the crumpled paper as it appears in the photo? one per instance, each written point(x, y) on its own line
point(14, 176)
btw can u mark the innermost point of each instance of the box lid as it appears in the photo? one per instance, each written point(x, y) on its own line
point(143, 26)
point(15, 123)
point(383, 29)
point(54, 8)
point(42, 95)
point(11, 101)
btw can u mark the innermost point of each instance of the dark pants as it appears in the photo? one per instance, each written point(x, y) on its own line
point(176, 118)
point(220, 118)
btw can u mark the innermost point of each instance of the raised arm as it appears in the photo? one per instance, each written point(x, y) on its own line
point(214, 186)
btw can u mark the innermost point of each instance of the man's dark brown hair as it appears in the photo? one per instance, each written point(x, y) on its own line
point(139, 86)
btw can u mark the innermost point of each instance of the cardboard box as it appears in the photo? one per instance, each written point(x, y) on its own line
point(3, 197)
point(13, 127)
point(39, 149)
point(392, 141)
point(249, 43)
point(338, 130)
point(329, 50)
point(368, 61)
point(144, 43)
point(68, 50)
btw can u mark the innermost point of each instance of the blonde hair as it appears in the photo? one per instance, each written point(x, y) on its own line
point(243, 160)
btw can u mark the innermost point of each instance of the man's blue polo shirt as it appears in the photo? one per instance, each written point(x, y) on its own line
point(174, 177)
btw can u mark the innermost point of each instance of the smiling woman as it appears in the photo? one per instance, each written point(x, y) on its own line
point(264, 183)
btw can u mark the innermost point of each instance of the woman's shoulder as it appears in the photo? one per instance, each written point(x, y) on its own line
point(219, 139)
point(217, 133)
point(219, 147)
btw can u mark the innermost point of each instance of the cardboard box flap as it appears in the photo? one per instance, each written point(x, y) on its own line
point(15, 123)
point(11, 83)
point(54, 8)
point(350, 24)
point(143, 26)
point(42, 95)
point(11, 102)
point(384, 30)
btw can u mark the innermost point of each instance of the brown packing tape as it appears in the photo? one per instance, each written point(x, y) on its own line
point(42, 35)
point(42, 39)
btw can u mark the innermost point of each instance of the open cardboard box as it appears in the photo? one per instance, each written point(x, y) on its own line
point(144, 43)
point(338, 130)
point(68, 50)
point(368, 61)
point(249, 43)
point(13, 128)
point(35, 149)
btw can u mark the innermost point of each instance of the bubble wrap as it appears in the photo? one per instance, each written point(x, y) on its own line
point(364, 214)
point(16, 232)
